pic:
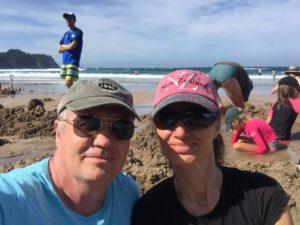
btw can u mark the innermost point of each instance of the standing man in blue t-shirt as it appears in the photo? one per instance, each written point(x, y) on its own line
point(71, 47)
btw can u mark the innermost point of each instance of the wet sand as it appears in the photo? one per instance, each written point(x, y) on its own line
point(30, 137)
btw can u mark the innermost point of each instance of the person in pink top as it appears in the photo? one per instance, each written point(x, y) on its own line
point(285, 110)
point(257, 131)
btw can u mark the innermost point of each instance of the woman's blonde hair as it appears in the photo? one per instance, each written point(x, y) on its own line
point(284, 93)
point(219, 149)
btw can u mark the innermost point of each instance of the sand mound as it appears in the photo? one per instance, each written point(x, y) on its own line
point(26, 123)
point(145, 161)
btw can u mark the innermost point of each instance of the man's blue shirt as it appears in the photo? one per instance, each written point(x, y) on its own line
point(72, 56)
point(27, 196)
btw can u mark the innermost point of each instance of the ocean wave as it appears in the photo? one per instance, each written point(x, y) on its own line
point(47, 74)
point(124, 75)
point(33, 70)
point(44, 75)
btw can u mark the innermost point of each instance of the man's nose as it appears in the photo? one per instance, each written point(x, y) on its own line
point(104, 137)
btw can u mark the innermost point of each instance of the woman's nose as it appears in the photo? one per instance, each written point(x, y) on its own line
point(180, 130)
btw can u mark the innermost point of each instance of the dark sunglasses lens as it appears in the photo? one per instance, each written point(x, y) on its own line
point(196, 120)
point(122, 129)
point(87, 125)
point(196, 123)
point(192, 119)
point(166, 121)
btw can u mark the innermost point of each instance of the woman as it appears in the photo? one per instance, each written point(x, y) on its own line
point(284, 112)
point(202, 191)
point(257, 131)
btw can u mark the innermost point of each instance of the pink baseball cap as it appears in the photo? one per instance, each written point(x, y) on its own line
point(186, 86)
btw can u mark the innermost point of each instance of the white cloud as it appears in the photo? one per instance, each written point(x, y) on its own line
point(162, 33)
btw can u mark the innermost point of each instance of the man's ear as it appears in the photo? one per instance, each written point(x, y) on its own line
point(57, 131)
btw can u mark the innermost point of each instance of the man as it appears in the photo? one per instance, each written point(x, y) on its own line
point(237, 85)
point(82, 183)
point(259, 71)
point(71, 47)
point(293, 72)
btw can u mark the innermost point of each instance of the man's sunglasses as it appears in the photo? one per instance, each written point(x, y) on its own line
point(195, 119)
point(89, 126)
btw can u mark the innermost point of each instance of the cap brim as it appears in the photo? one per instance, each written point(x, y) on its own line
point(67, 16)
point(92, 102)
point(187, 97)
point(288, 72)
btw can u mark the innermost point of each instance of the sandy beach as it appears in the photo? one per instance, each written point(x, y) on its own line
point(28, 136)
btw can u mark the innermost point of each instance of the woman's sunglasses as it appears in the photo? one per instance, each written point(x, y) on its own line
point(89, 126)
point(167, 120)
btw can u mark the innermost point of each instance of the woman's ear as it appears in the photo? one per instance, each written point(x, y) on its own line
point(217, 127)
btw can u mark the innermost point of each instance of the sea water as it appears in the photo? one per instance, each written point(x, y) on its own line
point(42, 82)
point(47, 81)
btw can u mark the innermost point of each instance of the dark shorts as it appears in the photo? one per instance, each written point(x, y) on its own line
point(273, 145)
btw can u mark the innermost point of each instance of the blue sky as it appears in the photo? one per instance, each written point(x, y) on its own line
point(165, 33)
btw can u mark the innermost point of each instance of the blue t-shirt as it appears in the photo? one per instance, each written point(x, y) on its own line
point(72, 56)
point(27, 197)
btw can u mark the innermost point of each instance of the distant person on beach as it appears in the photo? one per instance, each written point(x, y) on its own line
point(293, 72)
point(237, 85)
point(285, 110)
point(259, 71)
point(71, 47)
point(82, 183)
point(273, 73)
point(136, 72)
point(260, 137)
point(202, 191)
